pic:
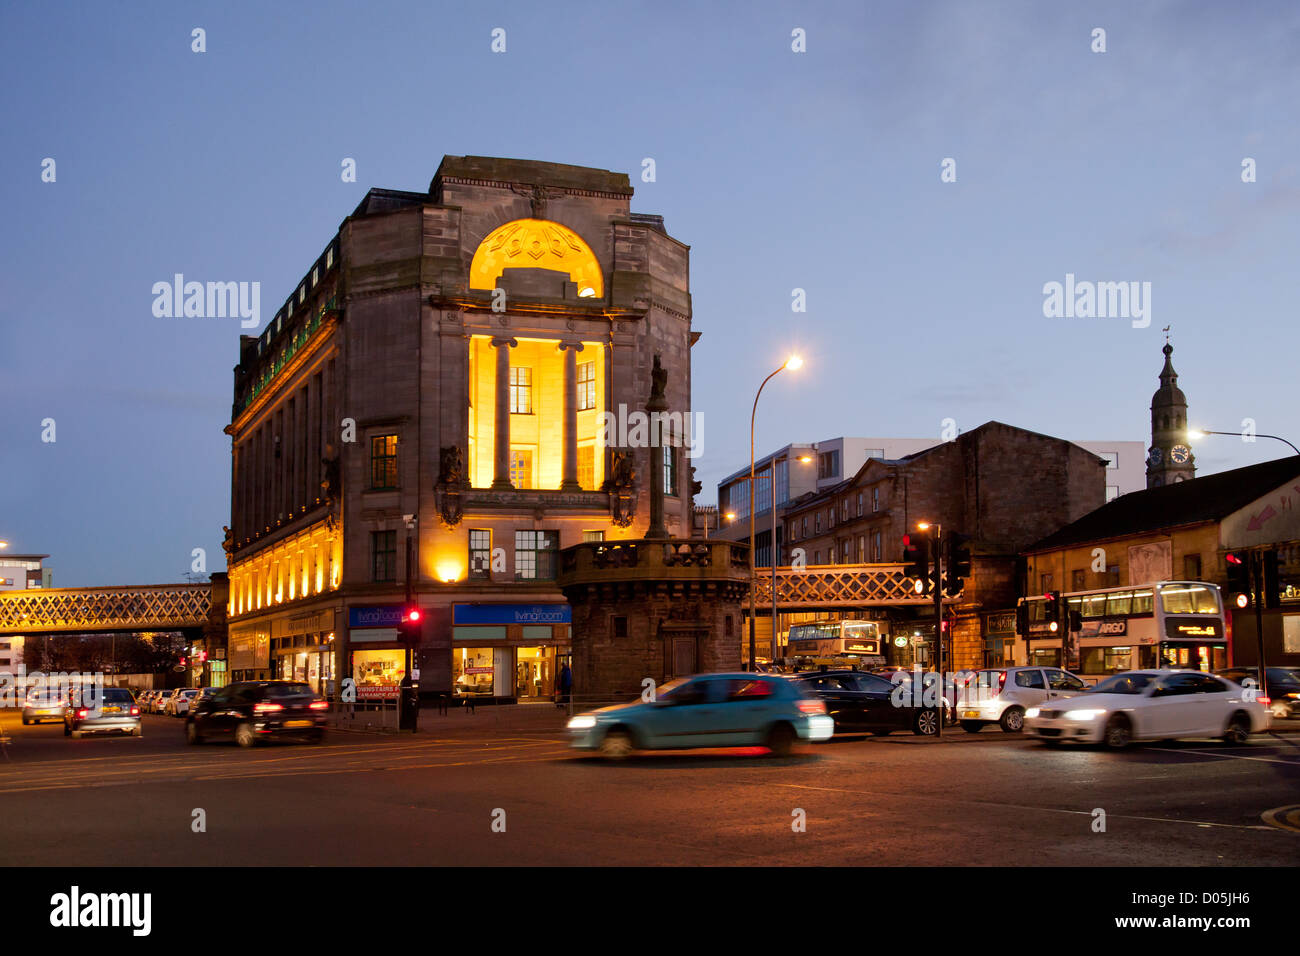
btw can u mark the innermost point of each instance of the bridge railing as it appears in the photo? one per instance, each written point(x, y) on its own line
point(142, 607)
point(831, 585)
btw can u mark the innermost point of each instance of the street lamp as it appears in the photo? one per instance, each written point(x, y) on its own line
point(793, 362)
point(1194, 434)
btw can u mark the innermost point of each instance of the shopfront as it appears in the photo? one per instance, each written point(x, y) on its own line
point(509, 651)
point(377, 658)
point(250, 651)
point(1000, 639)
point(302, 649)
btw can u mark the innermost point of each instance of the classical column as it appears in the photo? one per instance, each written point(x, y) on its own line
point(570, 480)
point(501, 427)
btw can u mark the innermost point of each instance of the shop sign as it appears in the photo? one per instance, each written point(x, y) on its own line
point(376, 691)
point(512, 614)
point(478, 670)
point(1001, 623)
point(386, 615)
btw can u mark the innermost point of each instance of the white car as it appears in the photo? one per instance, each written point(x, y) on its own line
point(179, 703)
point(1002, 696)
point(1151, 705)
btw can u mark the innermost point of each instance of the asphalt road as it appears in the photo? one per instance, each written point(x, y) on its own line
point(433, 798)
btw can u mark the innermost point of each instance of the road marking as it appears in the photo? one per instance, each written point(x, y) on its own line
point(1226, 756)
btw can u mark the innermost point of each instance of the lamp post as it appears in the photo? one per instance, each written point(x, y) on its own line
point(1195, 433)
point(792, 363)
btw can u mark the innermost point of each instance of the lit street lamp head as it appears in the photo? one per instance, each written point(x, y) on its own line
point(793, 363)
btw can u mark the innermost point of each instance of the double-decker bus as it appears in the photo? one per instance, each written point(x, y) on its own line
point(859, 641)
point(1166, 624)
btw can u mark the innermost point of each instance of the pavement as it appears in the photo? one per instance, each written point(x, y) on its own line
point(501, 787)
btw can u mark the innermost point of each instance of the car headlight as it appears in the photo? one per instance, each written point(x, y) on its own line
point(1032, 712)
point(582, 722)
point(1085, 714)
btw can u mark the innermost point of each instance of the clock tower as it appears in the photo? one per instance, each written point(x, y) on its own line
point(1170, 458)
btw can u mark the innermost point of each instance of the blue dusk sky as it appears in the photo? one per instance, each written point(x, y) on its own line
point(818, 170)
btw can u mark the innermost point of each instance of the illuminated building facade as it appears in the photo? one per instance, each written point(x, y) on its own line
point(458, 366)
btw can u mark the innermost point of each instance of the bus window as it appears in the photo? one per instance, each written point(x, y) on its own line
point(1094, 605)
point(1119, 603)
point(1142, 602)
point(1188, 599)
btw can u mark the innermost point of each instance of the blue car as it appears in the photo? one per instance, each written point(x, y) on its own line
point(708, 710)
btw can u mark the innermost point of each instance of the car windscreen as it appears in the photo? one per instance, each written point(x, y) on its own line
point(288, 690)
point(117, 695)
point(1122, 684)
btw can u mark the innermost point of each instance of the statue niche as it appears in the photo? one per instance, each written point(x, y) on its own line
point(451, 479)
point(621, 486)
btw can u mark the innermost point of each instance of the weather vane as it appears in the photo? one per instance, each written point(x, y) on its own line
point(1166, 331)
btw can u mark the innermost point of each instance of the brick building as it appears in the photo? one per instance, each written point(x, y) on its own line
point(1003, 486)
point(443, 372)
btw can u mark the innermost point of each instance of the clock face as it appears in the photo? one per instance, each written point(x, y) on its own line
point(1156, 455)
point(1179, 454)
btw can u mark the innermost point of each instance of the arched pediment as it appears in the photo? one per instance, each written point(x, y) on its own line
point(536, 244)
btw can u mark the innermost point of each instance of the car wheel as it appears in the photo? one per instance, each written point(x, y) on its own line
point(137, 732)
point(244, 735)
point(925, 723)
point(192, 735)
point(1238, 731)
point(616, 745)
point(1013, 720)
point(780, 740)
point(1119, 732)
point(26, 721)
point(972, 726)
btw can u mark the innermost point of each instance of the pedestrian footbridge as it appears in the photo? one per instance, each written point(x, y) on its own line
point(152, 607)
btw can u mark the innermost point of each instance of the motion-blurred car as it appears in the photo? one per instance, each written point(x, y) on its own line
point(708, 710)
point(42, 705)
point(1002, 695)
point(859, 702)
point(115, 712)
point(251, 711)
point(178, 704)
point(1283, 687)
point(1151, 705)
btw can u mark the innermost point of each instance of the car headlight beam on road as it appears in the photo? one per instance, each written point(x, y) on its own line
point(1085, 714)
point(1032, 712)
point(582, 722)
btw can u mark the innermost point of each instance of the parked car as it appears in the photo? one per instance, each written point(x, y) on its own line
point(707, 710)
point(116, 712)
point(1002, 695)
point(143, 699)
point(1283, 687)
point(42, 705)
point(251, 711)
point(202, 692)
point(859, 702)
point(1151, 705)
point(179, 703)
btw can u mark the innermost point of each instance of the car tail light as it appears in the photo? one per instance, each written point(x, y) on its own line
point(83, 713)
point(1002, 681)
point(267, 708)
point(320, 705)
point(135, 711)
point(812, 706)
point(1266, 701)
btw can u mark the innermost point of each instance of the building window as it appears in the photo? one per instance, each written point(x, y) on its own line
point(804, 533)
point(535, 555)
point(817, 523)
point(1112, 576)
point(830, 517)
point(875, 499)
point(847, 552)
point(862, 549)
point(1112, 492)
point(480, 553)
point(521, 467)
point(1112, 458)
point(1045, 582)
point(586, 386)
point(383, 556)
point(877, 547)
point(844, 509)
point(859, 504)
point(670, 470)
point(620, 625)
point(383, 462)
point(828, 464)
point(521, 390)
point(1078, 581)
point(587, 467)
point(728, 627)
point(817, 556)
point(1192, 567)
point(593, 536)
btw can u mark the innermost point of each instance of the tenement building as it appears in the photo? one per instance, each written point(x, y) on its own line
point(1003, 487)
point(457, 378)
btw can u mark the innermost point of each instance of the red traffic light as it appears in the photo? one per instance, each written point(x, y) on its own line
point(1232, 558)
point(413, 614)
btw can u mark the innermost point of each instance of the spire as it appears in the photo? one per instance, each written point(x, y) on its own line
point(1168, 376)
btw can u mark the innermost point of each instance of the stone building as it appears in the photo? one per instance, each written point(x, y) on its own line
point(1003, 486)
point(461, 367)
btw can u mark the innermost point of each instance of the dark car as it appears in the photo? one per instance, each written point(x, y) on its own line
point(1283, 687)
point(250, 711)
point(860, 702)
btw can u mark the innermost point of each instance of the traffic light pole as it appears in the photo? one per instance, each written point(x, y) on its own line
point(1257, 570)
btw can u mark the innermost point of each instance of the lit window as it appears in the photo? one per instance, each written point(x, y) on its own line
point(521, 468)
point(521, 390)
point(670, 470)
point(587, 467)
point(586, 387)
point(383, 462)
point(593, 536)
